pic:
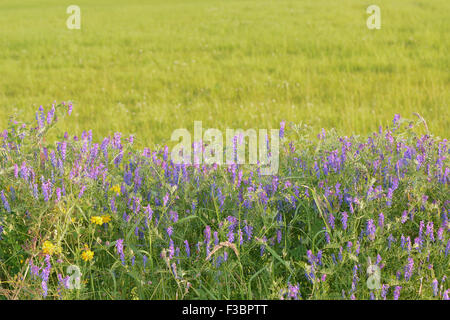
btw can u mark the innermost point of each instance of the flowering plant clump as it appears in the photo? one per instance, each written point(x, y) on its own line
point(344, 218)
point(87, 254)
point(50, 248)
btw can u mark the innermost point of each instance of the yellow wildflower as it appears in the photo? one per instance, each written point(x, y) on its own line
point(101, 219)
point(97, 220)
point(49, 248)
point(87, 255)
point(106, 218)
point(116, 189)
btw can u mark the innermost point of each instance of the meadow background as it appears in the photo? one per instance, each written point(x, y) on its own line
point(149, 67)
point(374, 192)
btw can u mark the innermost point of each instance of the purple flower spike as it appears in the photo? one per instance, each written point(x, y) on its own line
point(397, 292)
point(370, 229)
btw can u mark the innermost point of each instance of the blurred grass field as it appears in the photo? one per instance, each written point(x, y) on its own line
point(149, 67)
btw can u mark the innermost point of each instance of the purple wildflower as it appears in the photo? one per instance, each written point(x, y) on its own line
point(397, 292)
point(188, 249)
point(409, 268)
point(119, 248)
point(384, 291)
point(169, 231)
point(166, 199)
point(370, 229)
point(207, 233)
point(344, 220)
point(279, 235)
point(435, 285)
point(173, 216)
point(381, 220)
point(430, 231)
point(396, 118)
point(248, 231)
point(294, 291)
point(5, 202)
point(282, 126)
point(331, 220)
point(83, 188)
point(149, 212)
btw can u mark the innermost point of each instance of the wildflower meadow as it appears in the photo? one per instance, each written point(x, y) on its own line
point(345, 217)
point(224, 158)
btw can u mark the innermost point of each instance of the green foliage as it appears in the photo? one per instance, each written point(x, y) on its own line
point(299, 246)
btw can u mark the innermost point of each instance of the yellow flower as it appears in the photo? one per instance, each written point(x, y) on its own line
point(106, 218)
point(49, 248)
point(87, 255)
point(101, 219)
point(97, 220)
point(116, 189)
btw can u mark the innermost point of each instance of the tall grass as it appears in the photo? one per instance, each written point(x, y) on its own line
point(149, 67)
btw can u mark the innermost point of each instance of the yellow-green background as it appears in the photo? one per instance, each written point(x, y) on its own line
point(149, 67)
